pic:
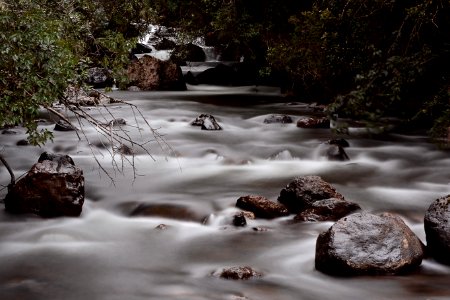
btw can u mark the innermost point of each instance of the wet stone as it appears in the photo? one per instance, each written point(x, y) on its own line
point(314, 123)
point(327, 210)
point(282, 119)
point(206, 122)
point(239, 273)
point(239, 220)
point(437, 229)
point(367, 244)
point(262, 207)
point(302, 192)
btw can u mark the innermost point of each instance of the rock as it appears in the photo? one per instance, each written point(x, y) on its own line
point(140, 48)
point(52, 187)
point(124, 150)
point(239, 220)
point(80, 97)
point(116, 122)
point(162, 227)
point(337, 153)
point(9, 131)
point(302, 192)
point(262, 207)
point(134, 88)
point(169, 211)
point(283, 119)
point(63, 126)
point(206, 122)
point(165, 44)
point(366, 244)
point(99, 78)
point(339, 142)
point(314, 123)
point(437, 229)
point(219, 75)
point(188, 52)
point(58, 158)
point(239, 273)
point(22, 143)
point(327, 210)
point(150, 73)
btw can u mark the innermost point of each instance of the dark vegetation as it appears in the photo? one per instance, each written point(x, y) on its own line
point(368, 59)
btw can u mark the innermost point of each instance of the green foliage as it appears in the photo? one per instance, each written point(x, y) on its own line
point(46, 45)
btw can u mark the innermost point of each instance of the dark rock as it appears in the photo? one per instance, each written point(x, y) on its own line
point(302, 192)
point(52, 187)
point(60, 159)
point(283, 119)
point(339, 142)
point(239, 220)
point(219, 75)
point(140, 48)
point(63, 126)
point(437, 229)
point(190, 78)
point(124, 150)
point(239, 273)
point(335, 152)
point(99, 78)
point(261, 207)
point(327, 210)
point(188, 52)
point(165, 44)
point(9, 131)
point(207, 122)
point(314, 123)
point(169, 211)
point(22, 143)
point(365, 244)
point(162, 227)
point(150, 73)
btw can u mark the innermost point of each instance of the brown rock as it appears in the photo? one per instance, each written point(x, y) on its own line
point(364, 243)
point(261, 207)
point(437, 229)
point(302, 192)
point(323, 122)
point(327, 210)
point(52, 187)
point(239, 273)
point(150, 73)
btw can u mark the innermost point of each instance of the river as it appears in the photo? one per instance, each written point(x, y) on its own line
point(107, 255)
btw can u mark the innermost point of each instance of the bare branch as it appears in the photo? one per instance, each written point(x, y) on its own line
point(8, 167)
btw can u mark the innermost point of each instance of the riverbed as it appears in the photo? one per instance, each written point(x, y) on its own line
point(108, 254)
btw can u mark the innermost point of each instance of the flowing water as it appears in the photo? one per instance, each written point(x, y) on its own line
point(106, 254)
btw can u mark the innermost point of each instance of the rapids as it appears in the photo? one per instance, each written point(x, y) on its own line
point(107, 255)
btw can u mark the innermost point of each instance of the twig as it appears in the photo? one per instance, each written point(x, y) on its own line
point(5, 163)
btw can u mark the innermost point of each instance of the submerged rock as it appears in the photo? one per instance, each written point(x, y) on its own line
point(63, 126)
point(99, 78)
point(323, 122)
point(327, 210)
point(52, 187)
point(206, 122)
point(283, 119)
point(364, 244)
point(170, 211)
point(262, 207)
point(302, 192)
point(437, 229)
point(239, 273)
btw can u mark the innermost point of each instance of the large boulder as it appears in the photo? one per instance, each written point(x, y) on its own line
point(283, 119)
point(52, 187)
point(261, 207)
point(366, 244)
point(188, 52)
point(302, 192)
point(150, 73)
point(437, 229)
point(219, 75)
